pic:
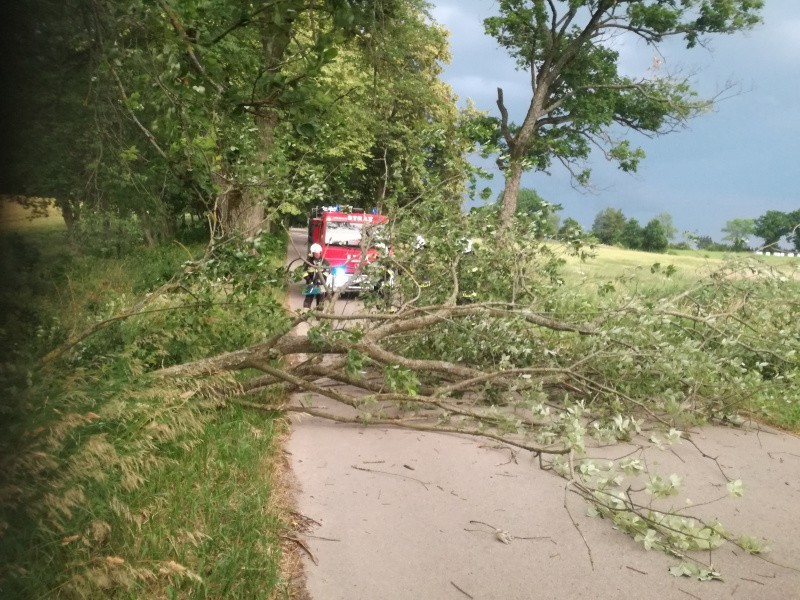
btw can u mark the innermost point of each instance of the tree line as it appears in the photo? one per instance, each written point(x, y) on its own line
point(239, 114)
point(611, 227)
point(231, 114)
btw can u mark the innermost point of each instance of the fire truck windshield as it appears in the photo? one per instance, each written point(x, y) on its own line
point(342, 233)
point(348, 233)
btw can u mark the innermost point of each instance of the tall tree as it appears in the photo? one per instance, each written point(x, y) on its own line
point(608, 225)
point(383, 127)
point(667, 223)
point(654, 237)
point(772, 226)
point(225, 109)
point(632, 235)
point(738, 231)
point(577, 92)
point(570, 228)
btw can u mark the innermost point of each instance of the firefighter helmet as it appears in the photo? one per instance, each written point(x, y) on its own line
point(315, 248)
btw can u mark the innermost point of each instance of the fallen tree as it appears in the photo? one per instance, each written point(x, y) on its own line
point(491, 342)
point(540, 366)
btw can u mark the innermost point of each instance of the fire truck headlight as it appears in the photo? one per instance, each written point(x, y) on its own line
point(339, 277)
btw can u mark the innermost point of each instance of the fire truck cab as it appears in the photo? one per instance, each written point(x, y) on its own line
point(351, 239)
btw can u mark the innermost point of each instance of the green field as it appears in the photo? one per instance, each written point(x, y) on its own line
point(14, 217)
point(646, 268)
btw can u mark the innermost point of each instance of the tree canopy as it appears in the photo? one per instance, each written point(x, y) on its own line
point(737, 231)
point(579, 97)
point(772, 226)
point(608, 225)
point(237, 113)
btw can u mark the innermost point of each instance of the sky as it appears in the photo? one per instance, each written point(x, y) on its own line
point(738, 161)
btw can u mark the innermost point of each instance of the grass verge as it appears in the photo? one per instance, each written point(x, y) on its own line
point(111, 484)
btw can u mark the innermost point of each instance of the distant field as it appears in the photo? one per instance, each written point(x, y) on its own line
point(611, 263)
point(14, 217)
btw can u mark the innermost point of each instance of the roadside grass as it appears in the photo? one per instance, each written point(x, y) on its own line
point(112, 484)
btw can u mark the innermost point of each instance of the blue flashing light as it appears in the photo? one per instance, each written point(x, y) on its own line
point(338, 271)
point(374, 211)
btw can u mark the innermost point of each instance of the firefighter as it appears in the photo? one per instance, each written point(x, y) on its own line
point(316, 275)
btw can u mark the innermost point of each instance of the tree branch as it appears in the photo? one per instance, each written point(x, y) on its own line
point(176, 24)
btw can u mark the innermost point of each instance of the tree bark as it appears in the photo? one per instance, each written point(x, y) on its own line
point(510, 192)
point(242, 209)
point(238, 212)
point(68, 213)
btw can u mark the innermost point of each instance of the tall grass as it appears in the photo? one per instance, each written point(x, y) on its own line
point(111, 485)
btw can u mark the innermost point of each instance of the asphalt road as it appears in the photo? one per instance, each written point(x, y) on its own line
point(410, 515)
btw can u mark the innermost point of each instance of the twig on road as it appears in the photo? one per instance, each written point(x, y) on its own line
point(462, 591)
point(506, 537)
point(575, 524)
point(637, 570)
point(425, 485)
point(319, 537)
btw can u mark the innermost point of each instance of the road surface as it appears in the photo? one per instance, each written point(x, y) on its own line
point(408, 515)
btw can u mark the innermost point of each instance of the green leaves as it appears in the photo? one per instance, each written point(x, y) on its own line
point(658, 487)
point(751, 545)
point(693, 570)
point(648, 539)
point(736, 488)
point(354, 365)
point(401, 380)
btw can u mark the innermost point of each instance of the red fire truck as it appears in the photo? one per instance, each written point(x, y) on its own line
point(351, 240)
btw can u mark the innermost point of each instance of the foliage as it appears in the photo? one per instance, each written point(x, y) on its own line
point(665, 220)
point(632, 235)
point(107, 235)
point(531, 208)
point(738, 231)
point(704, 242)
point(524, 359)
point(654, 237)
point(608, 226)
point(385, 127)
point(611, 227)
point(49, 120)
point(570, 229)
point(487, 340)
point(577, 92)
point(534, 207)
point(231, 114)
point(772, 226)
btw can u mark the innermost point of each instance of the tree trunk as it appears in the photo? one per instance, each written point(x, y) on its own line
point(241, 210)
point(238, 212)
point(510, 193)
point(68, 212)
point(159, 229)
